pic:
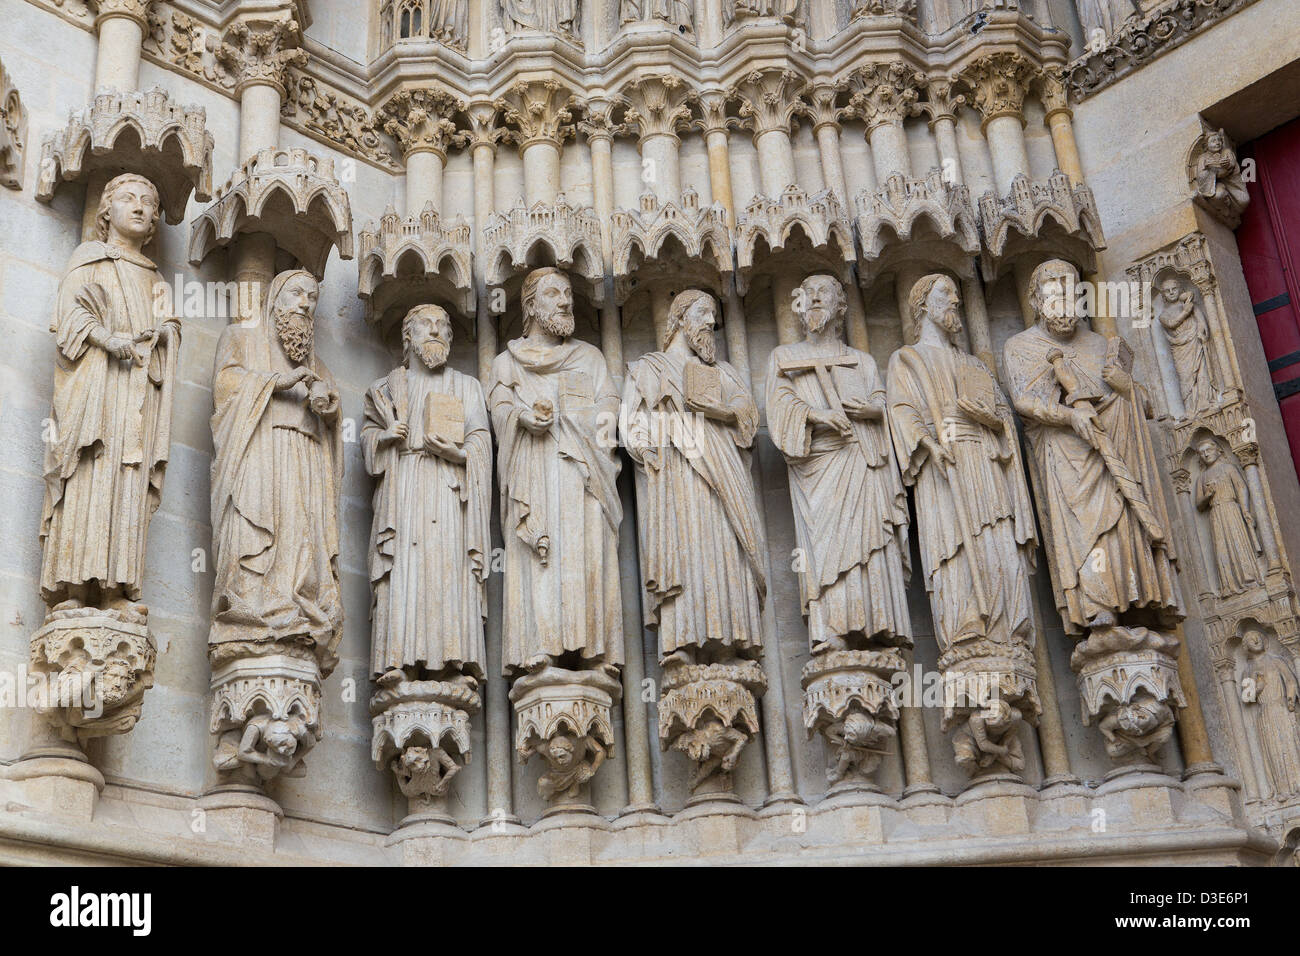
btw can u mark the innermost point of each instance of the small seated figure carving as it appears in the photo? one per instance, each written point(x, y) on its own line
point(1137, 727)
point(988, 738)
point(858, 737)
point(567, 757)
point(269, 747)
point(424, 772)
point(714, 746)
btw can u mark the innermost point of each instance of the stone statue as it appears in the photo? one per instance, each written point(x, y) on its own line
point(106, 446)
point(1217, 177)
point(277, 617)
point(449, 22)
point(790, 11)
point(427, 444)
point(1271, 693)
point(554, 410)
point(1221, 491)
point(1100, 502)
point(826, 414)
point(559, 17)
point(675, 13)
point(956, 439)
point(688, 423)
point(1106, 15)
point(1188, 334)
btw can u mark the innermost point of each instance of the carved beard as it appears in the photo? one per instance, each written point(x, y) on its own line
point(950, 322)
point(433, 354)
point(557, 324)
point(703, 344)
point(817, 319)
point(1062, 326)
point(295, 331)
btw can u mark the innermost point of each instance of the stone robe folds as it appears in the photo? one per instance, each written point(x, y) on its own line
point(1187, 345)
point(111, 425)
point(850, 508)
point(561, 486)
point(1100, 556)
point(276, 474)
point(987, 482)
point(429, 542)
point(701, 547)
point(1222, 491)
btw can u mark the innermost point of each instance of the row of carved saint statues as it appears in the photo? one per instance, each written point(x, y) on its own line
point(938, 423)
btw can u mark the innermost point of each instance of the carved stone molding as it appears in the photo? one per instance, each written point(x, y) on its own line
point(709, 713)
point(656, 106)
point(888, 216)
point(885, 93)
point(1051, 213)
point(537, 111)
point(273, 696)
point(259, 49)
point(13, 133)
point(566, 717)
point(1142, 40)
point(819, 219)
point(290, 194)
point(99, 663)
point(769, 99)
point(417, 259)
point(849, 699)
point(420, 730)
point(570, 233)
point(336, 118)
point(689, 243)
point(998, 84)
point(164, 142)
point(421, 119)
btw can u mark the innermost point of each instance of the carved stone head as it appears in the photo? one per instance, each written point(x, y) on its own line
point(820, 303)
point(1208, 450)
point(935, 299)
point(1052, 290)
point(547, 300)
point(1171, 289)
point(694, 314)
point(1254, 641)
point(291, 302)
point(128, 211)
point(426, 332)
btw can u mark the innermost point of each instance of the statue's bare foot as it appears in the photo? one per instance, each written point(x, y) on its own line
point(391, 677)
point(678, 658)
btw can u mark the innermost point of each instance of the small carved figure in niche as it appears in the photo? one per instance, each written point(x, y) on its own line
point(1131, 727)
point(714, 746)
point(557, 17)
point(1271, 692)
point(990, 737)
point(268, 747)
point(860, 739)
point(1105, 15)
point(790, 11)
point(1222, 491)
point(675, 13)
point(572, 761)
point(1188, 334)
point(424, 772)
point(1218, 179)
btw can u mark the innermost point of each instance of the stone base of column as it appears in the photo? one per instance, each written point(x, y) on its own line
point(59, 780)
point(243, 813)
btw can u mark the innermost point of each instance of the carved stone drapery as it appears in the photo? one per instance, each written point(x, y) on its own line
point(141, 132)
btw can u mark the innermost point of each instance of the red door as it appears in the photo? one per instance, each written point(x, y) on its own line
point(1269, 239)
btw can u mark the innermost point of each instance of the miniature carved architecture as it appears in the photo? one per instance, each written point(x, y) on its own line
point(738, 411)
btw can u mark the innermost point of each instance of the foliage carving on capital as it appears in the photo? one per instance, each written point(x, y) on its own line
point(657, 105)
point(942, 101)
point(998, 84)
point(823, 106)
point(1054, 92)
point(137, 10)
point(260, 51)
point(711, 112)
point(480, 125)
point(421, 119)
point(885, 93)
point(769, 99)
point(600, 118)
point(538, 111)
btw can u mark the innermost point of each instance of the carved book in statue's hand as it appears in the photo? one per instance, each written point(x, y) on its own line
point(976, 386)
point(703, 384)
point(444, 417)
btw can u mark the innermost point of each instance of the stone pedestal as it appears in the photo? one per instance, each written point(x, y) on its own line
point(709, 713)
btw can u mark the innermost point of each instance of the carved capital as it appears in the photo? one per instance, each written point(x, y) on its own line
point(599, 119)
point(821, 106)
point(480, 126)
point(1055, 94)
point(942, 101)
point(538, 111)
point(769, 99)
point(421, 119)
point(885, 93)
point(137, 10)
point(657, 106)
point(998, 84)
point(260, 50)
point(710, 108)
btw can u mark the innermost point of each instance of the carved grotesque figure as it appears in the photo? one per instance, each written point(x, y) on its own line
point(571, 761)
point(267, 747)
point(1218, 179)
point(1188, 334)
point(956, 439)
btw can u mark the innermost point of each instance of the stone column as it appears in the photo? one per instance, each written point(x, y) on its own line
point(657, 110)
point(886, 94)
point(769, 100)
point(1193, 736)
point(733, 327)
point(121, 25)
point(712, 120)
point(1252, 777)
point(482, 137)
point(1059, 120)
point(539, 114)
point(421, 122)
point(822, 111)
point(999, 83)
point(942, 103)
point(599, 129)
